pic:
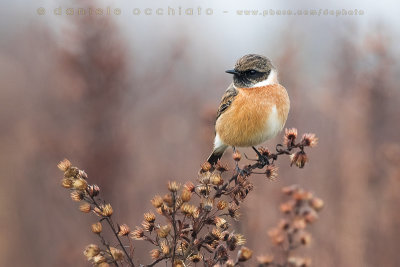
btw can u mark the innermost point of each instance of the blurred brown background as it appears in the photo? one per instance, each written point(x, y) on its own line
point(132, 99)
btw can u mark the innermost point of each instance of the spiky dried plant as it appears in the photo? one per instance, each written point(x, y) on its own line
point(299, 211)
point(197, 218)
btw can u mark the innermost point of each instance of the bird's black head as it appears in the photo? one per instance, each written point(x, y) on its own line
point(251, 70)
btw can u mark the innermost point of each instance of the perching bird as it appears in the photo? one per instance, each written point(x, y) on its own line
point(253, 109)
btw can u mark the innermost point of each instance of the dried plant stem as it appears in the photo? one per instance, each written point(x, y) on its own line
point(156, 261)
point(174, 225)
point(260, 164)
point(103, 241)
point(111, 224)
point(200, 230)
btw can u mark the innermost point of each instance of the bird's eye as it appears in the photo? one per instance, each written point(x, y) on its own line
point(252, 72)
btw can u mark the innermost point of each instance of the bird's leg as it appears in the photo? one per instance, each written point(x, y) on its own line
point(236, 162)
point(262, 159)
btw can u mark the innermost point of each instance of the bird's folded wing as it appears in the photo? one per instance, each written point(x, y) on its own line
point(227, 99)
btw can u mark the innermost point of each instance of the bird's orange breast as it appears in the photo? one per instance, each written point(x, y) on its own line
point(255, 115)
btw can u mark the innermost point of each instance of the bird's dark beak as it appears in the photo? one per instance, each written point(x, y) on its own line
point(232, 72)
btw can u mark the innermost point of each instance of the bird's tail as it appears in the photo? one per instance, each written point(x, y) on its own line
point(216, 154)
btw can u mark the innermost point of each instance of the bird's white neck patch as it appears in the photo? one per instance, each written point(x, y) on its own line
point(272, 79)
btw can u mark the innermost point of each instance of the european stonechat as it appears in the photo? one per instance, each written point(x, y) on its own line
point(253, 109)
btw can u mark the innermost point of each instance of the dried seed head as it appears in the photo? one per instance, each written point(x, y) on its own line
point(67, 183)
point(164, 247)
point(203, 190)
point(64, 165)
point(178, 263)
point(91, 251)
point(276, 236)
point(189, 186)
point(233, 210)
point(271, 172)
point(137, 234)
point(237, 156)
point(305, 238)
point(186, 195)
point(123, 230)
point(284, 225)
point(244, 254)
point(299, 262)
point(82, 174)
point(97, 228)
point(221, 223)
point(317, 203)
point(182, 247)
point(221, 167)
point(290, 137)
point(98, 259)
point(93, 190)
point(214, 244)
point(289, 190)
point(85, 207)
point(160, 210)
point(309, 139)
point(107, 210)
point(155, 254)
point(204, 178)
point(224, 235)
point(178, 203)
point(163, 231)
point(117, 254)
point(240, 240)
point(299, 159)
point(207, 204)
point(76, 196)
point(173, 186)
point(230, 263)
point(196, 213)
point(188, 209)
point(196, 258)
point(168, 200)
point(264, 151)
point(235, 240)
point(222, 204)
point(265, 260)
point(302, 195)
point(216, 234)
point(72, 172)
point(79, 184)
point(222, 254)
point(299, 223)
point(206, 166)
point(216, 178)
point(97, 211)
point(150, 217)
point(287, 207)
point(148, 226)
point(311, 216)
point(157, 201)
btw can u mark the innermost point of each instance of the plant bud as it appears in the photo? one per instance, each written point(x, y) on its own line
point(97, 228)
point(244, 254)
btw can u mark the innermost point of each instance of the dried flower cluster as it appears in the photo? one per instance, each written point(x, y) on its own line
point(300, 210)
point(76, 180)
point(192, 222)
point(195, 226)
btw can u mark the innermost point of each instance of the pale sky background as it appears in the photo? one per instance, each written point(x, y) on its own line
point(218, 38)
point(225, 33)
